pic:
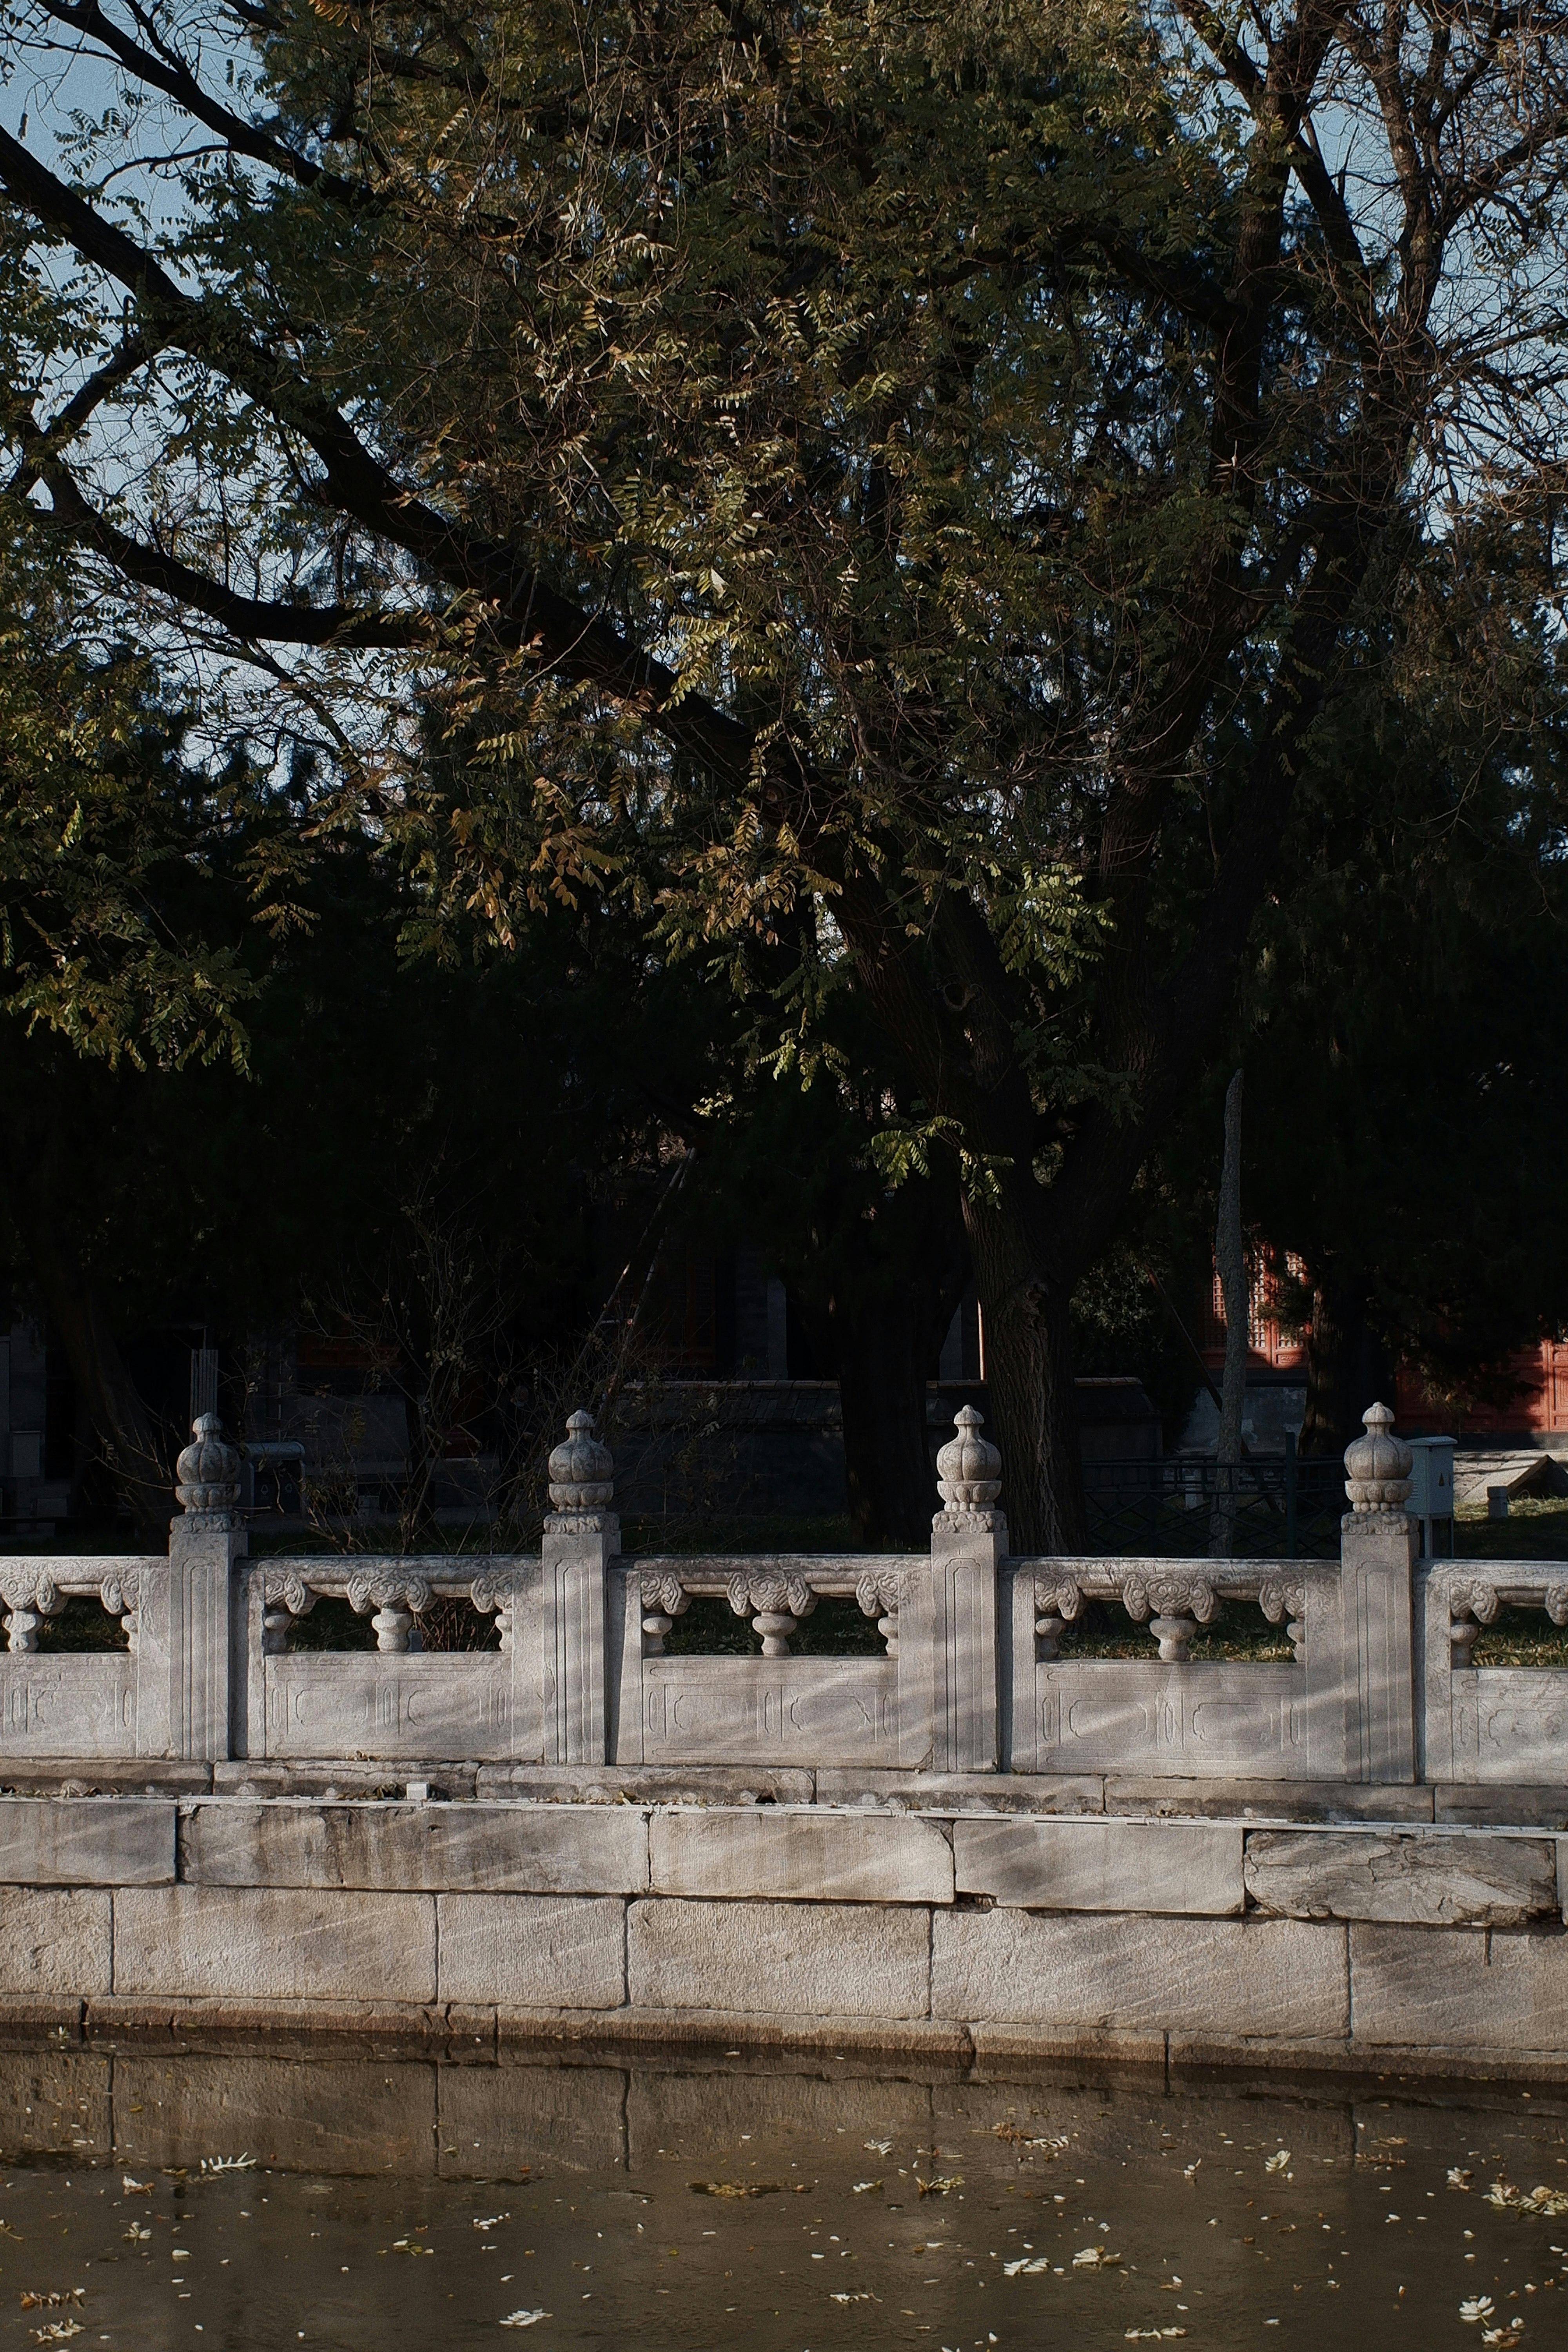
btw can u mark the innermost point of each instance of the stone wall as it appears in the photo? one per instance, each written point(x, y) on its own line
point(1386, 1947)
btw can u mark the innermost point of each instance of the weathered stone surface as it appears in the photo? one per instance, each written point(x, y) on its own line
point(1460, 1986)
point(54, 2103)
point(1273, 1801)
point(962, 1792)
point(1428, 1878)
point(498, 2123)
point(1522, 1808)
point(1102, 1866)
point(521, 1849)
point(252, 1943)
point(87, 1841)
point(56, 1941)
point(137, 1776)
point(703, 2111)
point(533, 1950)
point(800, 1856)
point(337, 2115)
point(1281, 1976)
point(648, 1784)
point(256, 1776)
point(815, 1959)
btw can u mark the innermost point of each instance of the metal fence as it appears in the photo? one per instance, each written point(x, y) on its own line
point(1277, 1505)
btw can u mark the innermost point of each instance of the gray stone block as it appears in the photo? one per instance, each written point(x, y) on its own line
point(1281, 1976)
point(842, 1857)
point(257, 1943)
point(532, 1951)
point(499, 2123)
point(1463, 1987)
point(1102, 1866)
point(87, 1841)
point(648, 1784)
point(366, 2116)
point(1426, 1878)
point(56, 1941)
point(960, 1792)
point(1233, 1798)
point(743, 2111)
point(473, 1848)
point(55, 2103)
point(810, 1959)
point(1513, 1808)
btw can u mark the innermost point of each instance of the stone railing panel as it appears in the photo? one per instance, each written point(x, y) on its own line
point(1490, 1724)
point(709, 1708)
point(82, 1704)
point(398, 1701)
point(1170, 1713)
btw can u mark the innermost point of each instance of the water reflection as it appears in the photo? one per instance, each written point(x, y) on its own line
point(704, 2200)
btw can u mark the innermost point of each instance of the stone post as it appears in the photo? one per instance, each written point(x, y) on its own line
point(1377, 1557)
point(187, 1616)
point(581, 1537)
point(968, 1545)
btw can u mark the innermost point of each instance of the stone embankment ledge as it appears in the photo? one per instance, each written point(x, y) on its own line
point(1388, 1931)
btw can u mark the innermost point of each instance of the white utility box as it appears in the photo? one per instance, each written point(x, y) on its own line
point(1432, 1494)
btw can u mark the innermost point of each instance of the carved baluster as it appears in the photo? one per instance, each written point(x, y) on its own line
point(284, 1600)
point(499, 1596)
point(878, 1595)
point(1555, 1603)
point(31, 1595)
point(1472, 1605)
point(397, 1601)
point(1179, 1604)
point(1280, 1598)
point(778, 1601)
point(664, 1598)
point(1056, 1606)
point(120, 1594)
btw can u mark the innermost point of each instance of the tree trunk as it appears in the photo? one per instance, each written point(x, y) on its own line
point(140, 1462)
point(882, 1365)
point(1230, 1258)
point(1348, 1368)
point(1028, 1373)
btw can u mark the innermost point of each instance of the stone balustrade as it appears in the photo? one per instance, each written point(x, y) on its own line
point(971, 1666)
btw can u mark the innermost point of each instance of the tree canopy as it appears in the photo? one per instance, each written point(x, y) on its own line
point(901, 480)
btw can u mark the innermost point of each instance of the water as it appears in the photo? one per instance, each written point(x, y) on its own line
point(399, 2202)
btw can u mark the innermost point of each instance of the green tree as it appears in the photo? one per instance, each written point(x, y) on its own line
point(868, 453)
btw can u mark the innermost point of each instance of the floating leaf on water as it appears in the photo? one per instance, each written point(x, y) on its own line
point(59, 2331)
point(1476, 2306)
point(7, 2231)
point(1538, 2199)
point(489, 2221)
point(1459, 2176)
point(522, 2318)
point(1278, 2162)
point(410, 2246)
point(879, 2147)
point(71, 2295)
point(1026, 2265)
point(1189, 2172)
point(135, 2188)
point(138, 2237)
point(939, 2184)
point(736, 2188)
point(861, 2187)
point(1094, 2258)
point(854, 2298)
point(1151, 2335)
point(1501, 2338)
point(211, 2164)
